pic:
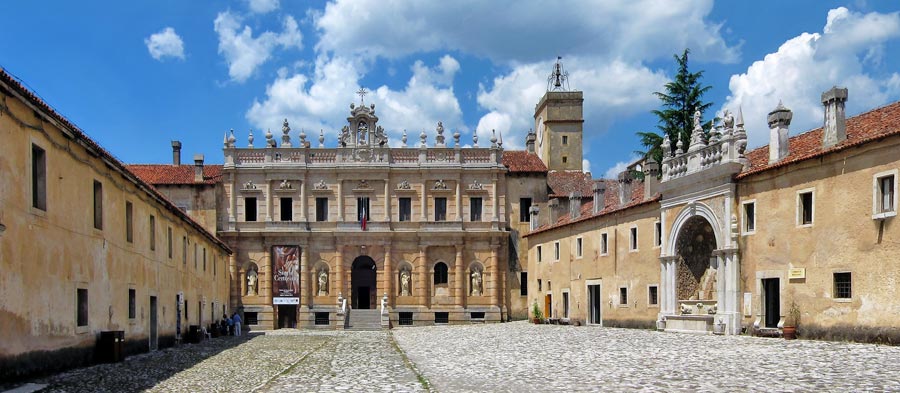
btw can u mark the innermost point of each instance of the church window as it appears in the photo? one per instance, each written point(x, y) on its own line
point(524, 209)
point(98, 205)
point(249, 209)
point(38, 178)
point(653, 295)
point(440, 273)
point(805, 208)
point(440, 209)
point(843, 285)
point(405, 209)
point(555, 251)
point(623, 296)
point(633, 241)
point(604, 244)
point(81, 317)
point(579, 243)
point(321, 209)
point(885, 195)
point(287, 209)
point(474, 209)
point(540, 285)
point(129, 222)
point(749, 218)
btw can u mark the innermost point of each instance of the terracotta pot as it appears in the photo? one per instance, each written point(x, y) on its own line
point(536, 321)
point(789, 332)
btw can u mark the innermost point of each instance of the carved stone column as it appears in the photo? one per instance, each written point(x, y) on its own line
point(388, 274)
point(423, 292)
point(303, 209)
point(459, 214)
point(340, 200)
point(236, 286)
point(423, 209)
point(495, 201)
point(387, 200)
point(269, 206)
point(495, 276)
point(460, 277)
point(232, 201)
point(339, 271)
point(304, 278)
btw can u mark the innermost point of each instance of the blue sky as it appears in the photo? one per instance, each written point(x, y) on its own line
point(136, 75)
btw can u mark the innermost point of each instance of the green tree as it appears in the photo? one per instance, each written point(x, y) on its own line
point(682, 97)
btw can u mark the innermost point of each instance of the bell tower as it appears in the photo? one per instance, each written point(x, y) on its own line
point(558, 121)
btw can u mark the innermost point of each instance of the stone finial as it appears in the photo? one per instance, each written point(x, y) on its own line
point(834, 130)
point(679, 147)
point(779, 120)
point(456, 136)
point(403, 139)
point(697, 141)
point(231, 139)
point(666, 147)
point(269, 141)
point(302, 138)
point(500, 140)
point(250, 139)
point(475, 139)
point(286, 138)
point(422, 138)
point(493, 138)
point(321, 138)
point(225, 140)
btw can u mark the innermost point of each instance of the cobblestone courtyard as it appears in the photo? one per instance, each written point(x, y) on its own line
point(512, 357)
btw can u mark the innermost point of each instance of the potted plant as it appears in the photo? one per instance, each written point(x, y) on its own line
point(537, 317)
point(791, 321)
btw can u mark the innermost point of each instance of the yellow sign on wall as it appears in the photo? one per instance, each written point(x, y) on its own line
point(797, 273)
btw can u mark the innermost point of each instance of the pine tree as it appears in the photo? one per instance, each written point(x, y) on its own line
point(682, 97)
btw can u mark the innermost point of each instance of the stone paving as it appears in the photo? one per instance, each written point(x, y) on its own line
point(512, 357)
point(520, 357)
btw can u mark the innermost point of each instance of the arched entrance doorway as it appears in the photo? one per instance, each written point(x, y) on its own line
point(696, 267)
point(363, 283)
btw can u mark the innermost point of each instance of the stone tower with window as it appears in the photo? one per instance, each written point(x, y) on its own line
point(558, 121)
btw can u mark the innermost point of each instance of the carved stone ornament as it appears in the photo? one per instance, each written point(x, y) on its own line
point(323, 283)
point(344, 138)
point(439, 185)
point(249, 185)
point(476, 185)
point(476, 283)
point(404, 282)
point(285, 185)
point(363, 185)
point(320, 185)
point(404, 185)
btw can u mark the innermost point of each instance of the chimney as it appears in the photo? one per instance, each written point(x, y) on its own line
point(599, 190)
point(553, 206)
point(651, 178)
point(779, 121)
point(534, 211)
point(176, 153)
point(529, 141)
point(625, 179)
point(574, 205)
point(198, 168)
point(835, 129)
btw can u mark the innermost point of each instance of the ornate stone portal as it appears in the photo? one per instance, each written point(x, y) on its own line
point(696, 274)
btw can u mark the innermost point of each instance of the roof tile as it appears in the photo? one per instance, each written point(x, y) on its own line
point(519, 161)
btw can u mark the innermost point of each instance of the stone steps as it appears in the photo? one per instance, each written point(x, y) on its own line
point(364, 320)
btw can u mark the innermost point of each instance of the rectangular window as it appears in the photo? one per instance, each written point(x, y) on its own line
point(565, 304)
point(604, 243)
point(885, 195)
point(405, 212)
point(98, 205)
point(204, 259)
point(132, 309)
point(252, 318)
point(749, 217)
point(38, 178)
point(524, 209)
point(556, 251)
point(653, 295)
point(579, 247)
point(633, 241)
point(405, 319)
point(169, 241)
point(287, 209)
point(474, 209)
point(184, 250)
point(843, 286)
point(657, 234)
point(82, 309)
point(623, 296)
point(129, 222)
point(540, 285)
point(539, 254)
point(440, 209)
point(523, 283)
point(441, 317)
point(565, 159)
point(565, 140)
point(249, 209)
point(322, 318)
point(321, 209)
point(805, 206)
point(152, 233)
point(195, 255)
point(362, 208)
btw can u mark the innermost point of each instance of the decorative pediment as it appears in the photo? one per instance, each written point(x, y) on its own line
point(320, 186)
point(249, 186)
point(404, 186)
point(440, 186)
point(363, 186)
point(475, 186)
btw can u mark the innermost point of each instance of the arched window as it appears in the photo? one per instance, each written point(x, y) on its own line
point(440, 273)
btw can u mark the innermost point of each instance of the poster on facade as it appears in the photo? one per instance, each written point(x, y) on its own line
point(286, 275)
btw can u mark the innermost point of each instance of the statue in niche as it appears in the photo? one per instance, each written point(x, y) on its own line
point(404, 283)
point(251, 283)
point(323, 283)
point(440, 185)
point(476, 283)
point(362, 132)
point(344, 137)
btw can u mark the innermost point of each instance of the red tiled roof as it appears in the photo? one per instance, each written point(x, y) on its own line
point(519, 161)
point(562, 183)
point(866, 127)
point(611, 205)
point(161, 174)
point(68, 127)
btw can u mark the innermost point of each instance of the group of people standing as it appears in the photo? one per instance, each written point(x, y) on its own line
point(230, 325)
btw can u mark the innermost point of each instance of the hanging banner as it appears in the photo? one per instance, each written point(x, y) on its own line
point(286, 275)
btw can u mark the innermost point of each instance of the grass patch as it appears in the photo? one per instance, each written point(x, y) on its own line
point(422, 380)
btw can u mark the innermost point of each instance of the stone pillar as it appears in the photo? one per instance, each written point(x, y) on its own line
point(340, 200)
point(424, 208)
point(269, 206)
point(388, 274)
point(303, 208)
point(304, 278)
point(673, 285)
point(460, 277)
point(663, 288)
point(387, 201)
point(235, 289)
point(232, 201)
point(495, 201)
point(339, 271)
point(495, 277)
point(721, 300)
point(423, 293)
point(733, 292)
point(459, 214)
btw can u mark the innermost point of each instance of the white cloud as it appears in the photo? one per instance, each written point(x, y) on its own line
point(165, 43)
point(321, 101)
point(586, 165)
point(613, 172)
point(262, 6)
point(244, 53)
point(611, 90)
point(630, 30)
point(806, 65)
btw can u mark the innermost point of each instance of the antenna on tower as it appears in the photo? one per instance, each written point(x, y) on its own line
point(559, 78)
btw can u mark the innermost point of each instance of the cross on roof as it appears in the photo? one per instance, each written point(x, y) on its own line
point(362, 94)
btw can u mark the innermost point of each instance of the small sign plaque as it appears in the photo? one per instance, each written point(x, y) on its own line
point(797, 273)
point(285, 300)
